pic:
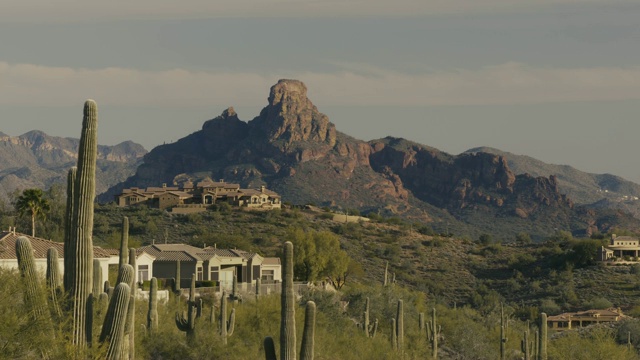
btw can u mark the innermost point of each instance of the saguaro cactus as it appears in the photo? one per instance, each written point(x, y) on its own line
point(81, 242)
point(504, 326)
point(288, 307)
point(226, 326)
point(525, 346)
point(433, 333)
point(187, 320)
point(258, 287)
point(129, 330)
point(400, 325)
point(115, 321)
point(53, 280)
point(369, 329)
point(287, 321)
point(176, 281)
point(394, 334)
point(542, 341)
point(97, 278)
point(68, 224)
point(308, 333)
point(124, 243)
point(33, 295)
point(152, 314)
point(386, 274)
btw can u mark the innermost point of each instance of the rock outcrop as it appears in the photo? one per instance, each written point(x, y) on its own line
point(295, 150)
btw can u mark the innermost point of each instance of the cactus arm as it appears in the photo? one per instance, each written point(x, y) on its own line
point(53, 281)
point(68, 224)
point(116, 317)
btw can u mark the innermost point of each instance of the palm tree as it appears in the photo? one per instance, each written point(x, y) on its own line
point(33, 203)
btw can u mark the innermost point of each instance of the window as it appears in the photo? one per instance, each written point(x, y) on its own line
point(267, 275)
point(143, 272)
point(214, 273)
point(199, 273)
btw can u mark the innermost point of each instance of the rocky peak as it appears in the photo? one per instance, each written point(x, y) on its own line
point(291, 118)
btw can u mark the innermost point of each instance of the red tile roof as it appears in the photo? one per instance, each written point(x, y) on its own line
point(40, 246)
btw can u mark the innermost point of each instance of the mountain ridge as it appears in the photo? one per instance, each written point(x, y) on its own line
point(295, 150)
point(37, 160)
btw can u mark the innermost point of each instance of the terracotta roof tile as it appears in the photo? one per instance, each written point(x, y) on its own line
point(40, 246)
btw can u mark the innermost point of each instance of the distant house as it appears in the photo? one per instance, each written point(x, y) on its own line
point(9, 260)
point(195, 198)
point(212, 264)
point(620, 247)
point(573, 320)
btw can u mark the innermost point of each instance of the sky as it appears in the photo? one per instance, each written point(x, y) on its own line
point(558, 80)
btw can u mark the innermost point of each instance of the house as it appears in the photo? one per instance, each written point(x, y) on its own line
point(189, 198)
point(572, 320)
point(211, 264)
point(9, 260)
point(254, 198)
point(620, 247)
point(144, 264)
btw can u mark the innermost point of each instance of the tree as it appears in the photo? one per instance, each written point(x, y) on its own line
point(32, 202)
point(318, 256)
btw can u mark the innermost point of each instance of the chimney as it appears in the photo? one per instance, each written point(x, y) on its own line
point(262, 189)
point(221, 180)
point(164, 185)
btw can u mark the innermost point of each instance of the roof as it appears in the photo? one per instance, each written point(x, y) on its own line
point(212, 184)
point(181, 194)
point(40, 246)
point(271, 261)
point(611, 312)
point(162, 189)
point(252, 192)
point(183, 252)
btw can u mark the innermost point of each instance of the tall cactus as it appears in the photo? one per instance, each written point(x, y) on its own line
point(80, 247)
point(68, 224)
point(369, 329)
point(129, 330)
point(124, 243)
point(33, 295)
point(187, 320)
point(525, 346)
point(258, 287)
point(115, 321)
point(542, 341)
point(504, 326)
point(288, 307)
point(433, 333)
point(386, 274)
point(176, 281)
point(53, 280)
point(152, 314)
point(287, 317)
point(394, 334)
point(97, 278)
point(421, 322)
point(226, 326)
point(400, 325)
point(308, 333)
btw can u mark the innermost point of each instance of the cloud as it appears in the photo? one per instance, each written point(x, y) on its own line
point(82, 11)
point(355, 84)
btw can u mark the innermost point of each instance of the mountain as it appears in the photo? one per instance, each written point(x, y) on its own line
point(38, 160)
point(601, 191)
point(294, 149)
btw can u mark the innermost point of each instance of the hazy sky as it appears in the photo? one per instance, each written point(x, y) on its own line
point(558, 80)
